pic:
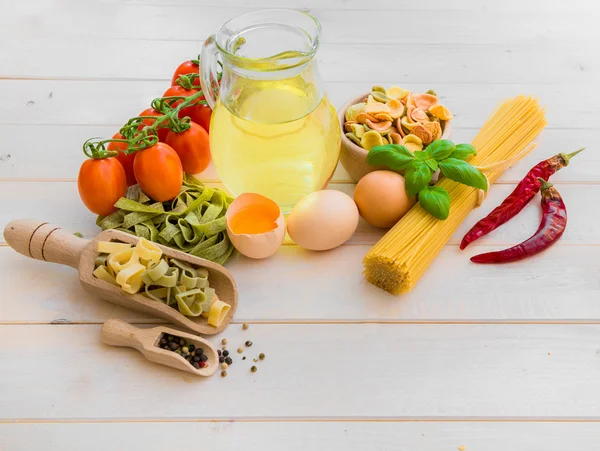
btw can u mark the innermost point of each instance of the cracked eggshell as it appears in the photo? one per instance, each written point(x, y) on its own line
point(256, 245)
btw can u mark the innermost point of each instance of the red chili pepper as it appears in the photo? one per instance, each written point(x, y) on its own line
point(554, 222)
point(516, 201)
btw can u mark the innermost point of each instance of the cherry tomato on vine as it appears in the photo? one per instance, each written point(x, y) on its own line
point(180, 91)
point(158, 171)
point(201, 116)
point(192, 147)
point(187, 67)
point(125, 160)
point(162, 132)
point(101, 183)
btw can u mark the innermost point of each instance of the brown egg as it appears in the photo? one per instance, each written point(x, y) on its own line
point(381, 198)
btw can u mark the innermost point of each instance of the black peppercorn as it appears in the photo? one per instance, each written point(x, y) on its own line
point(248, 343)
point(203, 358)
point(163, 341)
point(173, 346)
point(196, 365)
point(244, 358)
point(192, 347)
point(218, 352)
point(196, 358)
point(225, 353)
point(228, 361)
point(221, 359)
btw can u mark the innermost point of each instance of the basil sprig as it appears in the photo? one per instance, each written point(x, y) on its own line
point(420, 166)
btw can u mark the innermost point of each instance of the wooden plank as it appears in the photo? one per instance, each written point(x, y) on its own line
point(59, 203)
point(450, 26)
point(21, 158)
point(295, 285)
point(95, 58)
point(362, 371)
point(382, 5)
point(114, 102)
point(299, 436)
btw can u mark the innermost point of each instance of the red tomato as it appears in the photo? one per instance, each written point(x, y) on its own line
point(162, 132)
point(187, 67)
point(179, 91)
point(192, 147)
point(125, 160)
point(101, 183)
point(158, 171)
point(201, 116)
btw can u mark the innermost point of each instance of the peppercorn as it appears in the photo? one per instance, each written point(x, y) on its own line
point(240, 350)
point(182, 342)
point(202, 364)
point(224, 366)
point(225, 353)
point(196, 358)
point(254, 369)
point(188, 357)
point(173, 346)
point(228, 361)
point(163, 341)
point(196, 365)
point(245, 326)
point(248, 343)
point(261, 356)
point(224, 341)
point(178, 352)
point(218, 352)
point(223, 373)
point(192, 348)
point(170, 337)
point(221, 359)
point(185, 350)
point(203, 358)
point(244, 358)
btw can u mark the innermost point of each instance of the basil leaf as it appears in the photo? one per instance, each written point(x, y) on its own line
point(463, 151)
point(432, 164)
point(462, 172)
point(435, 201)
point(422, 154)
point(441, 149)
point(417, 177)
point(393, 156)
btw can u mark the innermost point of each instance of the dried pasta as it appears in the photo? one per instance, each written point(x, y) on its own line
point(163, 279)
point(400, 258)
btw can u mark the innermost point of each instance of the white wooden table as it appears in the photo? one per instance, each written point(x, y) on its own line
point(483, 357)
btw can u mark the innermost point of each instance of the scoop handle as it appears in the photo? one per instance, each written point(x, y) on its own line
point(116, 332)
point(44, 241)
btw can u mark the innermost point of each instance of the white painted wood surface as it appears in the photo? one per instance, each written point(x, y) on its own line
point(485, 358)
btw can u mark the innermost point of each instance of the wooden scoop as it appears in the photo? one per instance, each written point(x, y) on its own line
point(47, 242)
point(119, 333)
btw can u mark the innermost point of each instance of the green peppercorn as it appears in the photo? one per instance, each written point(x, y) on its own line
point(254, 369)
point(181, 342)
point(261, 356)
point(178, 352)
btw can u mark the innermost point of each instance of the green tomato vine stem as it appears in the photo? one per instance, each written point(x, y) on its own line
point(138, 136)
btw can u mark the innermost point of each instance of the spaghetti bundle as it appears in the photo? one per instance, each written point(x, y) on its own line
point(400, 258)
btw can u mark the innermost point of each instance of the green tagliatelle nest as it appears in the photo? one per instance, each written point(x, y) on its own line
point(193, 222)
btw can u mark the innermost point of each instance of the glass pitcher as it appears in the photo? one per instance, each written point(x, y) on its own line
point(273, 131)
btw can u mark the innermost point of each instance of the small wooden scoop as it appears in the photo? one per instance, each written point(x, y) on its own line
point(119, 333)
point(47, 242)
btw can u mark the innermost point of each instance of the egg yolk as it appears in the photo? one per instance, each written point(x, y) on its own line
point(254, 219)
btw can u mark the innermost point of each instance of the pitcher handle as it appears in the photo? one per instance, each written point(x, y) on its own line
point(208, 71)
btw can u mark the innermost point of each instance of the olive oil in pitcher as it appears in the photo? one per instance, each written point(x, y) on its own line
point(273, 131)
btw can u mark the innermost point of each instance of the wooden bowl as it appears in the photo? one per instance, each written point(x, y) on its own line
point(354, 158)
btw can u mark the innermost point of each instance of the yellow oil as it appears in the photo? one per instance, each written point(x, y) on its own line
point(276, 139)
